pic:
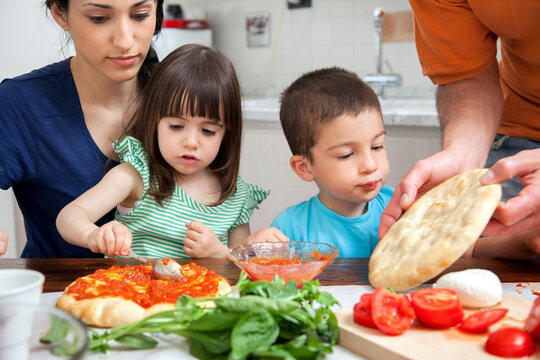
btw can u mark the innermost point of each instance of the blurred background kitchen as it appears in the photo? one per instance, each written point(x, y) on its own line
point(271, 43)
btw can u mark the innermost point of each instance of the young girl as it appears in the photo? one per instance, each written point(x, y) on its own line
point(178, 190)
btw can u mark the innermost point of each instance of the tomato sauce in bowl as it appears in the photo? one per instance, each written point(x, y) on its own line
point(293, 261)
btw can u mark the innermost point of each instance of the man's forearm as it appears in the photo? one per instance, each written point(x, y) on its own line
point(470, 113)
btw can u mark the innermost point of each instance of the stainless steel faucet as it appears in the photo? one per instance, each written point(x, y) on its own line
point(379, 80)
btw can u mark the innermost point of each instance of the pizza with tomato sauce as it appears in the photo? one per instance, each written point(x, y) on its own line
point(121, 295)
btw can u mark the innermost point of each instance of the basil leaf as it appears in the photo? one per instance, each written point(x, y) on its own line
point(214, 320)
point(57, 337)
point(327, 325)
point(198, 350)
point(256, 329)
point(326, 299)
point(137, 341)
point(215, 342)
point(250, 302)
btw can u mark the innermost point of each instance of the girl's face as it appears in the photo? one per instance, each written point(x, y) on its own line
point(111, 37)
point(189, 143)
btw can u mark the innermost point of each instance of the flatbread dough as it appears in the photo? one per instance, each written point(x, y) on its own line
point(109, 311)
point(435, 231)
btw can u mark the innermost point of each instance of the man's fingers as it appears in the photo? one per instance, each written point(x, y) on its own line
point(514, 210)
point(391, 214)
point(521, 164)
point(495, 227)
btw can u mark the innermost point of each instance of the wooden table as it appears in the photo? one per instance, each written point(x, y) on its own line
point(61, 272)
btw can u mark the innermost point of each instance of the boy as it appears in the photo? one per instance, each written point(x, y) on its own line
point(333, 123)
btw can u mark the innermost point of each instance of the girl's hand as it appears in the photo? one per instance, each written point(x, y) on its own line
point(201, 241)
point(111, 239)
point(269, 234)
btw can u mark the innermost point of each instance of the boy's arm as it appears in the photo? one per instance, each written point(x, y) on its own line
point(76, 220)
point(239, 236)
point(269, 234)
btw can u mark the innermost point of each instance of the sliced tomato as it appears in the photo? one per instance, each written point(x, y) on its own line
point(510, 342)
point(392, 313)
point(437, 308)
point(532, 324)
point(480, 321)
point(362, 311)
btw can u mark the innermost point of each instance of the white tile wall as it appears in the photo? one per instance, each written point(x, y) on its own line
point(330, 33)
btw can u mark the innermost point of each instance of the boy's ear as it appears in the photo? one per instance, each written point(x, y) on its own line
point(59, 16)
point(300, 165)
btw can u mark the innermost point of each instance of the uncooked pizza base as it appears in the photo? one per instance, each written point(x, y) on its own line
point(110, 311)
point(434, 232)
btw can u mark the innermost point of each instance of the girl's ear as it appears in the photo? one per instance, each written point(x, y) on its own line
point(301, 166)
point(59, 16)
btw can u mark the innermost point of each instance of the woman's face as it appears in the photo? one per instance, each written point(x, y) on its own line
point(111, 37)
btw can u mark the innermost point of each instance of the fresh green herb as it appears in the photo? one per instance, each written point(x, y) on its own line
point(58, 336)
point(266, 320)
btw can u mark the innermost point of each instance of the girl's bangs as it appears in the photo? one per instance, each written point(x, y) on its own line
point(193, 100)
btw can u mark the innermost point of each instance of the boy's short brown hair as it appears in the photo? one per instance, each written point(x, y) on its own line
point(317, 98)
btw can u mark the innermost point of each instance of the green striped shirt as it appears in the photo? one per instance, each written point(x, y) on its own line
point(159, 231)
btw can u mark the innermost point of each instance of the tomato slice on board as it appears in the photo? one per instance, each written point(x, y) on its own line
point(362, 311)
point(480, 321)
point(510, 342)
point(437, 308)
point(392, 313)
point(532, 324)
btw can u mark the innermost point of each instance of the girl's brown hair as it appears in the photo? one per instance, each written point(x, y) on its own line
point(193, 80)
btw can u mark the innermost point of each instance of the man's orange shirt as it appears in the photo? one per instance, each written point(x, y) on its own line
point(457, 39)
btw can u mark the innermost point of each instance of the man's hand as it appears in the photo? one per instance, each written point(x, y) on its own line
point(201, 242)
point(523, 211)
point(111, 239)
point(425, 175)
point(269, 234)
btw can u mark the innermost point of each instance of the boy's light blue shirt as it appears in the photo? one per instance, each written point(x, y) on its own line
point(355, 237)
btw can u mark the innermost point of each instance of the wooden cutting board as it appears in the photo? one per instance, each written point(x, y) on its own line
point(420, 342)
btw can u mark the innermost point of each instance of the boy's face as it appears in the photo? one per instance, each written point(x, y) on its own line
point(349, 160)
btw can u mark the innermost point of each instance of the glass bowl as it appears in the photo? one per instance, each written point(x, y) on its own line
point(294, 260)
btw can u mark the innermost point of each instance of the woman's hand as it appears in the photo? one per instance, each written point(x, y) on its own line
point(201, 242)
point(111, 239)
point(523, 211)
point(3, 242)
point(269, 234)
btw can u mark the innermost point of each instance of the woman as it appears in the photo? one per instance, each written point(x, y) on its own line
point(57, 123)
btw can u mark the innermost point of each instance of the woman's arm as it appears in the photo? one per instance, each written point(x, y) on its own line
point(76, 221)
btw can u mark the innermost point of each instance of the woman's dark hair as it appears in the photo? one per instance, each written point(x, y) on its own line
point(151, 59)
point(192, 80)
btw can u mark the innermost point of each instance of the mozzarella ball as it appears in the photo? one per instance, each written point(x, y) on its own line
point(476, 288)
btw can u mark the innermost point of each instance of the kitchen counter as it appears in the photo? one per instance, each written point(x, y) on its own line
point(343, 271)
point(396, 112)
